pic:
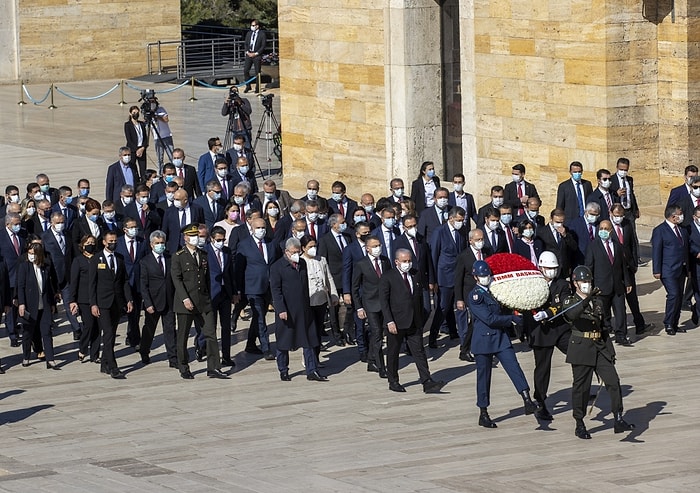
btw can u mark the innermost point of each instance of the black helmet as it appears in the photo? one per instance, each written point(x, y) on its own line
point(582, 273)
point(481, 269)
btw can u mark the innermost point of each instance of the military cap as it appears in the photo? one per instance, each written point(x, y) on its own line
point(190, 229)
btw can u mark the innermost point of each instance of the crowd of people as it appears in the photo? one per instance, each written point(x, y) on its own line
point(203, 246)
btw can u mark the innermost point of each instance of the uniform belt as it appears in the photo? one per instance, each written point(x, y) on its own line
point(595, 335)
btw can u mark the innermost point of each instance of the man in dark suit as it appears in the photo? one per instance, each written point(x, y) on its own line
point(179, 215)
point(339, 203)
point(585, 230)
point(46, 191)
point(532, 213)
point(158, 292)
point(284, 226)
point(240, 149)
point(109, 295)
point(387, 232)
point(205, 164)
point(65, 206)
point(622, 186)
point(433, 217)
point(146, 213)
point(365, 297)
point(445, 244)
point(243, 170)
point(606, 260)
point(494, 235)
point(412, 241)
point(315, 226)
point(132, 248)
point(312, 189)
point(462, 199)
point(517, 192)
point(42, 218)
point(254, 255)
point(677, 193)
point(572, 195)
point(509, 228)
point(367, 206)
point(255, 42)
point(603, 195)
point(211, 203)
point(351, 255)
point(669, 256)
point(222, 287)
point(121, 173)
point(245, 200)
point(136, 134)
point(497, 200)
point(12, 244)
point(188, 174)
point(396, 191)
point(558, 239)
point(60, 250)
point(688, 202)
point(190, 275)
point(270, 192)
point(158, 187)
point(400, 298)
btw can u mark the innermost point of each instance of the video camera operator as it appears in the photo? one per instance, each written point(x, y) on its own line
point(156, 117)
point(238, 110)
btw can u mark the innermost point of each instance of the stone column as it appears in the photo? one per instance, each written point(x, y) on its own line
point(8, 40)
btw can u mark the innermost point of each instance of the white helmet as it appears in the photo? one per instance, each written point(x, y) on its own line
point(548, 259)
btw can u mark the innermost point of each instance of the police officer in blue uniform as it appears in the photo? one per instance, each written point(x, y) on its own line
point(590, 349)
point(490, 339)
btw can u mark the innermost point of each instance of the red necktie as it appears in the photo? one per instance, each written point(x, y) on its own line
point(521, 209)
point(509, 234)
point(219, 258)
point(619, 235)
point(312, 230)
point(260, 247)
point(341, 209)
point(607, 199)
point(377, 269)
point(242, 207)
point(610, 254)
point(15, 241)
point(678, 234)
point(590, 232)
point(697, 201)
point(478, 255)
point(407, 282)
point(131, 250)
point(180, 173)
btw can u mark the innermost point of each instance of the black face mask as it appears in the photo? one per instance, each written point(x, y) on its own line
point(135, 115)
point(363, 238)
point(89, 249)
point(112, 246)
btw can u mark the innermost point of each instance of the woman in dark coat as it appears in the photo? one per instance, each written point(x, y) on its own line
point(80, 300)
point(423, 188)
point(294, 322)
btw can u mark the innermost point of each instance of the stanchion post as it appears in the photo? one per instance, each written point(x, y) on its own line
point(52, 106)
point(21, 102)
point(121, 101)
point(192, 83)
point(258, 81)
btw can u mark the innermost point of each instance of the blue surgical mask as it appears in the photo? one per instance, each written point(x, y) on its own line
point(84, 192)
point(69, 200)
point(93, 218)
point(389, 222)
point(169, 178)
point(159, 248)
point(430, 173)
point(342, 227)
point(603, 234)
point(576, 175)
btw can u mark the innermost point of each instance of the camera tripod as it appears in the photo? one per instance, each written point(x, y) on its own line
point(267, 122)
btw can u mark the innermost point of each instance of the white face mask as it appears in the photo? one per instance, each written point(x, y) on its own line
point(585, 287)
point(484, 280)
point(312, 216)
point(178, 204)
point(695, 192)
point(273, 212)
point(237, 147)
point(31, 257)
point(108, 215)
point(516, 178)
point(617, 220)
point(605, 184)
point(259, 233)
point(169, 196)
point(31, 211)
point(398, 192)
point(591, 219)
point(550, 273)
point(458, 187)
point(299, 234)
point(221, 173)
point(239, 200)
point(58, 227)
point(681, 218)
point(193, 240)
point(441, 203)
point(143, 200)
point(506, 218)
point(405, 266)
point(127, 200)
point(312, 194)
point(14, 199)
point(479, 244)
point(201, 242)
point(412, 232)
point(218, 244)
point(177, 163)
point(337, 197)
point(556, 225)
point(457, 225)
point(131, 232)
point(493, 225)
point(497, 202)
point(311, 252)
point(622, 173)
point(376, 251)
point(532, 214)
point(528, 233)
point(294, 258)
point(126, 159)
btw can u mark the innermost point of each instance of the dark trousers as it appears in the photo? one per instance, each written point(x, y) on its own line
point(484, 369)
point(65, 296)
point(581, 388)
point(167, 318)
point(11, 322)
point(90, 338)
point(258, 305)
point(108, 322)
point(444, 318)
point(310, 360)
point(208, 324)
point(674, 299)
point(465, 329)
point(376, 339)
point(543, 364)
point(414, 341)
point(42, 324)
point(633, 304)
point(247, 64)
point(222, 311)
point(133, 331)
point(614, 304)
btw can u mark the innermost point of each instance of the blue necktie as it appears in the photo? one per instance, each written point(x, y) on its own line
point(581, 209)
point(457, 241)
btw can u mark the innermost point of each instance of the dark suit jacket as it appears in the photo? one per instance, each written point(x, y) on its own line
point(351, 255)
point(172, 227)
point(616, 184)
point(598, 197)
point(676, 194)
point(108, 288)
point(191, 280)
point(205, 170)
point(502, 246)
point(252, 272)
point(510, 194)
point(81, 228)
point(470, 210)
point(156, 288)
point(260, 41)
point(398, 304)
point(236, 177)
point(283, 199)
point(71, 213)
point(222, 277)
point(567, 198)
point(422, 263)
point(609, 278)
point(687, 205)
point(328, 248)
point(28, 293)
point(191, 185)
point(141, 249)
point(694, 240)
point(387, 250)
point(157, 191)
point(115, 180)
point(9, 255)
point(321, 228)
point(209, 217)
point(132, 138)
point(523, 249)
point(418, 192)
point(464, 280)
point(365, 283)
point(237, 235)
point(350, 207)
point(669, 256)
point(61, 261)
point(80, 280)
point(564, 249)
point(429, 221)
point(153, 218)
point(579, 227)
point(444, 254)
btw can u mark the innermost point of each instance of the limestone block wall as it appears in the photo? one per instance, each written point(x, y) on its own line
point(63, 40)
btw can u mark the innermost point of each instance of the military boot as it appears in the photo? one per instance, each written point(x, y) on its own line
point(485, 420)
point(620, 424)
point(530, 406)
point(581, 430)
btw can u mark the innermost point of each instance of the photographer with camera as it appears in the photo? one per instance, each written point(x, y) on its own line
point(156, 117)
point(238, 110)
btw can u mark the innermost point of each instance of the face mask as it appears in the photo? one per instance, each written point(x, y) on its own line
point(311, 252)
point(430, 173)
point(299, 234)
point(550, 273)
point(576, 175)
point(603, 234)
point(253, 28)
point(528, 233)
point(458, 187)
point(516, 178)
point(126, 159)
point(81, 207)
point(617, 220)
point(376, 251)
point(273, 212)
point(239, 200)
point(108, 216)
point(405, 266)
point(363, 238)
point(112, 246)
point(532, 214)
point(38, 196)
point(84, 192)
point(312, 216)
point(695, 192)
point(585, 287)
point(170, 196)
point(484, 280)
point(605, 184)
point(622, 173)
point(259, 233)
point(14, 199)
point(497, 201)
point(337, 197)
point(389, 223)
point(135, 115)
point(131, 232)
point(237, 147)
point(270, 196)
point(58, 227)
point(294, 258)
point(177, 163)
point(201, 242)
point(369, 208)
point(312, 194)
point(16, 228)
point(143, 200)
point(556, 225)
point(193, 240)
point(479, 244)
point(243, 169)
point(398, 192)
point(159, 248)
point(127, 200)
point(93, 218)
point(590, 219)
point(216, 196)
point(233, 215)
point(221, 173)
point(493, 225)
point(441, 203)
point(169, 178)
point(31, 257)
point(506, 218)
point(31, 211)
point(178, 204)
point(342, 227)
point(457, 225)
point(359, 219)
point(412, 232)
point(681, 217)
point(44, 188)
point(91, 248)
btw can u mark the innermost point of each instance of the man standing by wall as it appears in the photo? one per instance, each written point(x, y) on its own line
point(255, 42)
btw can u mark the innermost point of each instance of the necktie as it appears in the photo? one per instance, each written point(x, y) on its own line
point(195, 257)
point(143, 218)
point(180, 173)
point(111, 264)
point(224, 190)
point(557, 237)
point(131, 249)
point(478, 255)
point(252, 41)
point(579, 193)
point(377, 269)
point(494, 240)
point(15, 241)
point(697, 201)
point(678, 234)
point(415, 247)
point(220, 258)
point(260, 247)
point(624, 197)
point(610, 253)
point(521, 192)
point(340, 243)
point(183, 219)
point(608, 200)
point(341, 209)
point(62, 244)
point(63, 211)
point(46, 225)
point(590, 232)
point(619, 235)
point(242, 209)
point(509, 235)
point(162, 264)
point(312, 230)
point(457, 244)
point(407, 282)
point(213, 208)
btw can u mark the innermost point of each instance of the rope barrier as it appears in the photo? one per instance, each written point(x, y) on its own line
point(162, 91)
point(89, 98)
point(36, 101)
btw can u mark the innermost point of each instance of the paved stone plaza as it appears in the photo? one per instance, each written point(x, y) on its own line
point(79, 431)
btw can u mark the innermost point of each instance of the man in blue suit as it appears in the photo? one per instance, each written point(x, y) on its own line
point(65, 206)
point(133, 248)
point(222, 287)
point(177, 216)
point(445, 244)
point(462, 199)
point(121, 173)
point(205, 165)
point(355, 251)
point(679, 192)
point(12, 243)
point(387, 232)
point(585, 230)
point(433, 217)
point(211, 203)
point(315, 226)
point(669, 256)
point(572, 194)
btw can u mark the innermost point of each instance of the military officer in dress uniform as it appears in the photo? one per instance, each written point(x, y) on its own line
point(590, 349)
point(548, 333)
point(190, 273)
point(491, 339)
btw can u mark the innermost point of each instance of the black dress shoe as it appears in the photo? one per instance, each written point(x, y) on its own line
point(363, 357)
point(383, 373)
point(269, 356)
point(485, 419)
point(227, 362)
point(582, 432)
point(51, 365)
point(644, 328)
point(396, 387)
point(14, 343)
point(623, 341)
point(2, 370)
point(467, 356)
point(340, 341)
point(145, 359)
point(217, 374)
point(680, 330)
point(172, 364)
point(621, 425)
point(253, 350)
point(543, 413)
point(372, 368)
point(316, 377)
point(76, 335)
point(284, 376)
point(350, 339)
point(116, 374)
point(432, 387)
point(199, 354)
point(528, 405)
point(432, 345)
point(187, 375)
point(670, 331)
